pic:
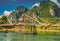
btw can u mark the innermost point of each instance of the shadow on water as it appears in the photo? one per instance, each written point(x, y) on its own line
point(29, 37)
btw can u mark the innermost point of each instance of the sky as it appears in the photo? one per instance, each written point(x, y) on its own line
point(9, 5)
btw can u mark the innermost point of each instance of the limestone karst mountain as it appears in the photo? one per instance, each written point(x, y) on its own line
point(46, 9)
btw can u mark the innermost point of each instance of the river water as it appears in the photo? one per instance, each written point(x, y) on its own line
point(42, 36)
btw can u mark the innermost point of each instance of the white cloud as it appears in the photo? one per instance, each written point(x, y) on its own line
point(55, 1)
point(1, 16)
point(7, 13)
point(36, 4)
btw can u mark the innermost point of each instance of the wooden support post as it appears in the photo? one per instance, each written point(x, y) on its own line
point(34, 30)
point(6, 29)
point(31, 29)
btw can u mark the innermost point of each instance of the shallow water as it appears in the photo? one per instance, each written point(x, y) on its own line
point(42, 36)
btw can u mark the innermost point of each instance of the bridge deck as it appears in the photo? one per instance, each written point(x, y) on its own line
point(29, 25)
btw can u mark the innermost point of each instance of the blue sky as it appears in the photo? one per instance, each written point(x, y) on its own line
point(10, 5)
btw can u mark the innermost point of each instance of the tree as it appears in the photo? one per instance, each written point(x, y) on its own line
point(4, 19)
point(1, 22)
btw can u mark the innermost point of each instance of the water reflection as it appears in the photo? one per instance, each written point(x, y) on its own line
point(43, 36)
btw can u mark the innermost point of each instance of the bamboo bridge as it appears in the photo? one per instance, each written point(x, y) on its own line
point(33, 27)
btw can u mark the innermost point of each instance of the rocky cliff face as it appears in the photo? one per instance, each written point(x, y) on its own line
point(15, 15)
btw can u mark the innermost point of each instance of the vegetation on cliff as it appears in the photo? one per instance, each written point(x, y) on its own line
point(3, 20)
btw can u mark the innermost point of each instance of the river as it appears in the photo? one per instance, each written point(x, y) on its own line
point(42, 36)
